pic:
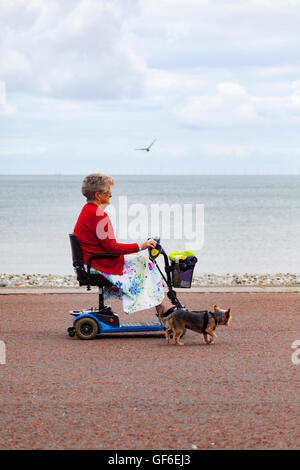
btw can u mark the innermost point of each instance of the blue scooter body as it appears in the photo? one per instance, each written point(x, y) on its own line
point(122, 328)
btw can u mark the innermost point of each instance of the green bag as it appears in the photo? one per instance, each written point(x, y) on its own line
point(177, 255)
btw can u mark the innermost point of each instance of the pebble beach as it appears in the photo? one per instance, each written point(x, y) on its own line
point(204, 280)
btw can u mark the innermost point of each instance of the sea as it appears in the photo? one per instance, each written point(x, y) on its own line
point(236, 224)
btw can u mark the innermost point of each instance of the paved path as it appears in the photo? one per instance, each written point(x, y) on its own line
point(137, 392)
point(202, 290)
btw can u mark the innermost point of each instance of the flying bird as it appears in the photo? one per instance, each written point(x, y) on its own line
point(147, 148)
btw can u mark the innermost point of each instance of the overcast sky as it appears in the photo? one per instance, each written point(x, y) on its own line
point(83, 83)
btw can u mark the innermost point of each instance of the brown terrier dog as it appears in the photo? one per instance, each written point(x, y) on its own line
point(204, 322)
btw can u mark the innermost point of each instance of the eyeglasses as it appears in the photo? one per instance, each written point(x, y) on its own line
point(107, 193)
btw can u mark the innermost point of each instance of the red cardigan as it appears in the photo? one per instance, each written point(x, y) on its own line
point(96, 235)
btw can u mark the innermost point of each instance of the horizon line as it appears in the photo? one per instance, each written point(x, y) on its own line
point(154, 174)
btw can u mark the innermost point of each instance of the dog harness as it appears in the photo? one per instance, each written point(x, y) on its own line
point(205, 319)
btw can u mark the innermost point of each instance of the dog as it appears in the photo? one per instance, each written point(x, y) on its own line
point(204, 322)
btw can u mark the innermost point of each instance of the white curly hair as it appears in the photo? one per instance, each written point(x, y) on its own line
point(95, 183)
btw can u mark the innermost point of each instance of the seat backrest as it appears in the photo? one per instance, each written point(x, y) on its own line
point(76, 252)
point(83, 277)
point(78, 264)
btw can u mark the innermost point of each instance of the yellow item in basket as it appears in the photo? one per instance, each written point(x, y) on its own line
point(177, 255)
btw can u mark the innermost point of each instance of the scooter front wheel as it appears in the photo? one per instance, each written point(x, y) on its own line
point(86, 328)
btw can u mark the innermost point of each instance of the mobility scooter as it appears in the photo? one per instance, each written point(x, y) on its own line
point(87, 323)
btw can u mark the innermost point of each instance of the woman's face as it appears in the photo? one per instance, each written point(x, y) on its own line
point(103, 198)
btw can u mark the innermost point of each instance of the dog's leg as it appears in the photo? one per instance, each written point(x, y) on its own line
point(168, 333)
point(212, 335)
point(177, 336)
point(206, 338)
point(169, 329)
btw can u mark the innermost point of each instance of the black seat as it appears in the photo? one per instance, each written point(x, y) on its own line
point(84, 276)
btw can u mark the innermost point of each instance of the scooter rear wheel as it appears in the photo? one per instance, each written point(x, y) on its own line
point(86, 328)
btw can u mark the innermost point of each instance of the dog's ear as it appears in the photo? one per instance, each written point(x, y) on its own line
point(227, 314)
point(227, 317)
point(216, 308)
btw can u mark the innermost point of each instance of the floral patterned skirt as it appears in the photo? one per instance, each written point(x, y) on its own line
point(139, 287)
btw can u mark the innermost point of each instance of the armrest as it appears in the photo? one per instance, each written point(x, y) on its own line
point(99, 255)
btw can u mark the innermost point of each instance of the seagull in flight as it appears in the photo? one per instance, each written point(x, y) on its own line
point(147, 148)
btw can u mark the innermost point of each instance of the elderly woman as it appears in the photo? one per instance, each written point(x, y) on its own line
point(136, 279)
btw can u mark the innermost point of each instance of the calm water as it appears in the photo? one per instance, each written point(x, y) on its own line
point(252, 223)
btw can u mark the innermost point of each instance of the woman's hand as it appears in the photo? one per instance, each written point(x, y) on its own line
point(148, 244)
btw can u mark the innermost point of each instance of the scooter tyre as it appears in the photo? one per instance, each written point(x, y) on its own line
point(86, 328)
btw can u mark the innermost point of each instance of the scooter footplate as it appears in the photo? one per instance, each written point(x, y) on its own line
point(136, 324)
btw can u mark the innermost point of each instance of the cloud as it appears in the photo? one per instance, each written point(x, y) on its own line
point(232, 105)
point(88, 81)
point(74, 49)
point(215, 33)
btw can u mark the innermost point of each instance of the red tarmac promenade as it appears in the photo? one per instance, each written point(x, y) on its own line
point(138, 392)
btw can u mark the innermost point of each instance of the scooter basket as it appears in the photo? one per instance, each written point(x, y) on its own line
point(182, 272)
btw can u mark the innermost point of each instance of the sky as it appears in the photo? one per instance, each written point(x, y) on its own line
point(84, 83)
